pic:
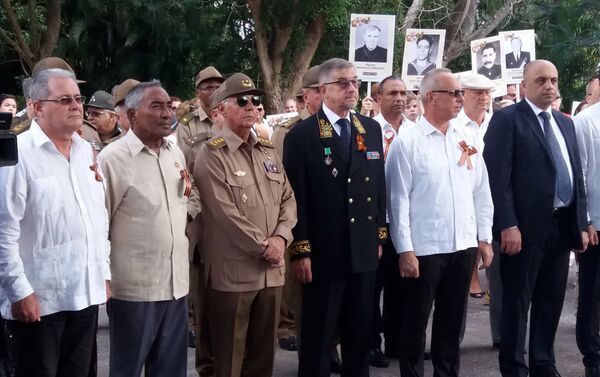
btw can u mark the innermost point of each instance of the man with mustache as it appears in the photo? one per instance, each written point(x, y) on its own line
point(489, 68)
point(146, 197)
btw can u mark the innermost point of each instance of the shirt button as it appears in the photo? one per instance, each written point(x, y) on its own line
point(366, 179)
point(349, 180)
point(352, 220)
point(350, 200)
point(369, 199)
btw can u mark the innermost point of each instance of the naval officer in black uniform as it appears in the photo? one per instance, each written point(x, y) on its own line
point(334, 161)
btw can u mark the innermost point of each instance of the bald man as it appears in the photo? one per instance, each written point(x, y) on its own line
point(539, 215)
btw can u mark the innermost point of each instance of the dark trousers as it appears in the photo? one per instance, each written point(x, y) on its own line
point(331, 303)
point(443, 279)
point(535, 277)
point(388, 280)
point(588, 307)
point(60, 345)
point(495, 288)
point(148, 334)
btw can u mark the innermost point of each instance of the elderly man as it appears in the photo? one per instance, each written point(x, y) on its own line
point(392, 101)
point(371, 51)
point(53, 236)
point(197, 122)
point(100, 113)
point(247, 197)
point(587, 127)
point(147, 186)
point(335, 163)
point(289, 105)
point(440, 211)
point(540, 214)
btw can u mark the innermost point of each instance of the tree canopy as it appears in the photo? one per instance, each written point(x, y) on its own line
point(273, 41)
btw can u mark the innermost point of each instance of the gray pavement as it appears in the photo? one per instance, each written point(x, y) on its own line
point(478, 358)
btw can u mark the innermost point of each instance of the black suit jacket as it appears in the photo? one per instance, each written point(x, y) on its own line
point(522, 176)
point(378, 55)
point(511, 62)
point(341, 217)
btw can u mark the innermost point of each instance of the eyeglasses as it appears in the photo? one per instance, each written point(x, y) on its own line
point(66, 100)
point(454, 93)
point(344, 84)
point(93, 114)
point(242, 101)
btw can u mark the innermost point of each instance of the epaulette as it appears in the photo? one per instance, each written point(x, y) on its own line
point(217, 143)
point(198, 138)
point(187, 118)
point(291, 122)
point(21, 127)
point(266, 143)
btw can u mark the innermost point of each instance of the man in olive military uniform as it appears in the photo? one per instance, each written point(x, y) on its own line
point(334, 161)
point(246, 196)
point(119, 93)
point(197, 122)
point(291, 303)
point(198, 303)
point(100, 113)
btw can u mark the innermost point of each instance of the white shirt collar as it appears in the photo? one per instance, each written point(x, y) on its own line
point(40, 138)
point(333, 117)
point(537, 110)
point(428, 128)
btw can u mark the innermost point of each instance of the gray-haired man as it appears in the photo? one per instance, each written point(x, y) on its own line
point(147, 188)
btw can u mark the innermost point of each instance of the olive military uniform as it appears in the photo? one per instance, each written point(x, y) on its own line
point(247, 197)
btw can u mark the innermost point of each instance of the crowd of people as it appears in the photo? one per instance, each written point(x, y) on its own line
point(199, 224)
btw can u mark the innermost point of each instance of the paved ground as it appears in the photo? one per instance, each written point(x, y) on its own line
point(479, 359)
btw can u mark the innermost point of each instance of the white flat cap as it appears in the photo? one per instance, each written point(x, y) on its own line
point(476, 81)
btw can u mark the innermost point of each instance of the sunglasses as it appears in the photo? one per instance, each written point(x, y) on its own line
point(66, 100)
point(454, 93)
point(345, 84)
point(242, 101)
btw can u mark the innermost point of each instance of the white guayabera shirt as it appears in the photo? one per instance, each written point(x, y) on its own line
point(53, 227)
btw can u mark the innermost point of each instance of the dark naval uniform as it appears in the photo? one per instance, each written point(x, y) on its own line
point(491, 73)
point(340, 195)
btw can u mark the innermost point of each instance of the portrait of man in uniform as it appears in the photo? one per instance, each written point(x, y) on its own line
point(488, 66)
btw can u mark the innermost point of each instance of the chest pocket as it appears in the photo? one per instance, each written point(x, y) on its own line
point(44, 195)
point(244, 192)
point(276, 182)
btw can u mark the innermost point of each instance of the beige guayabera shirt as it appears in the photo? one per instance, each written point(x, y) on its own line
point(147, 210)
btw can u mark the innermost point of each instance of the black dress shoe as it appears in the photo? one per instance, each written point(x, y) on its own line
point(427, 355)
point(496, 345)
point(191, 339)
point(289, 343)
point(391, 353)
point(544, 373)
point(592, 371)
point(377, 358)
point(336, 365)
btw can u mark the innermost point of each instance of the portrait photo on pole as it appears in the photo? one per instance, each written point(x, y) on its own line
point(423, 51)
point(371, 46)
point(518, 49)
point(486, 60)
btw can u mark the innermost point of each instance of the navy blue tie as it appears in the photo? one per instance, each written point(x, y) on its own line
point(563, 180)
point(344, 131)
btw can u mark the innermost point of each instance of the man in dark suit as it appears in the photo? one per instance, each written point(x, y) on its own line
point(334, 161)
point(517, 58)
point(539, 215)
point(371, 51)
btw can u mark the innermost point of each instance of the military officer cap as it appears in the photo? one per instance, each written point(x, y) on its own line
point(123, 89)
point(476, 81)
point(101, 100)
point(209, 72)
point(237, 84)
point(52, 62)
point(311, 78)
point(213, 100)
